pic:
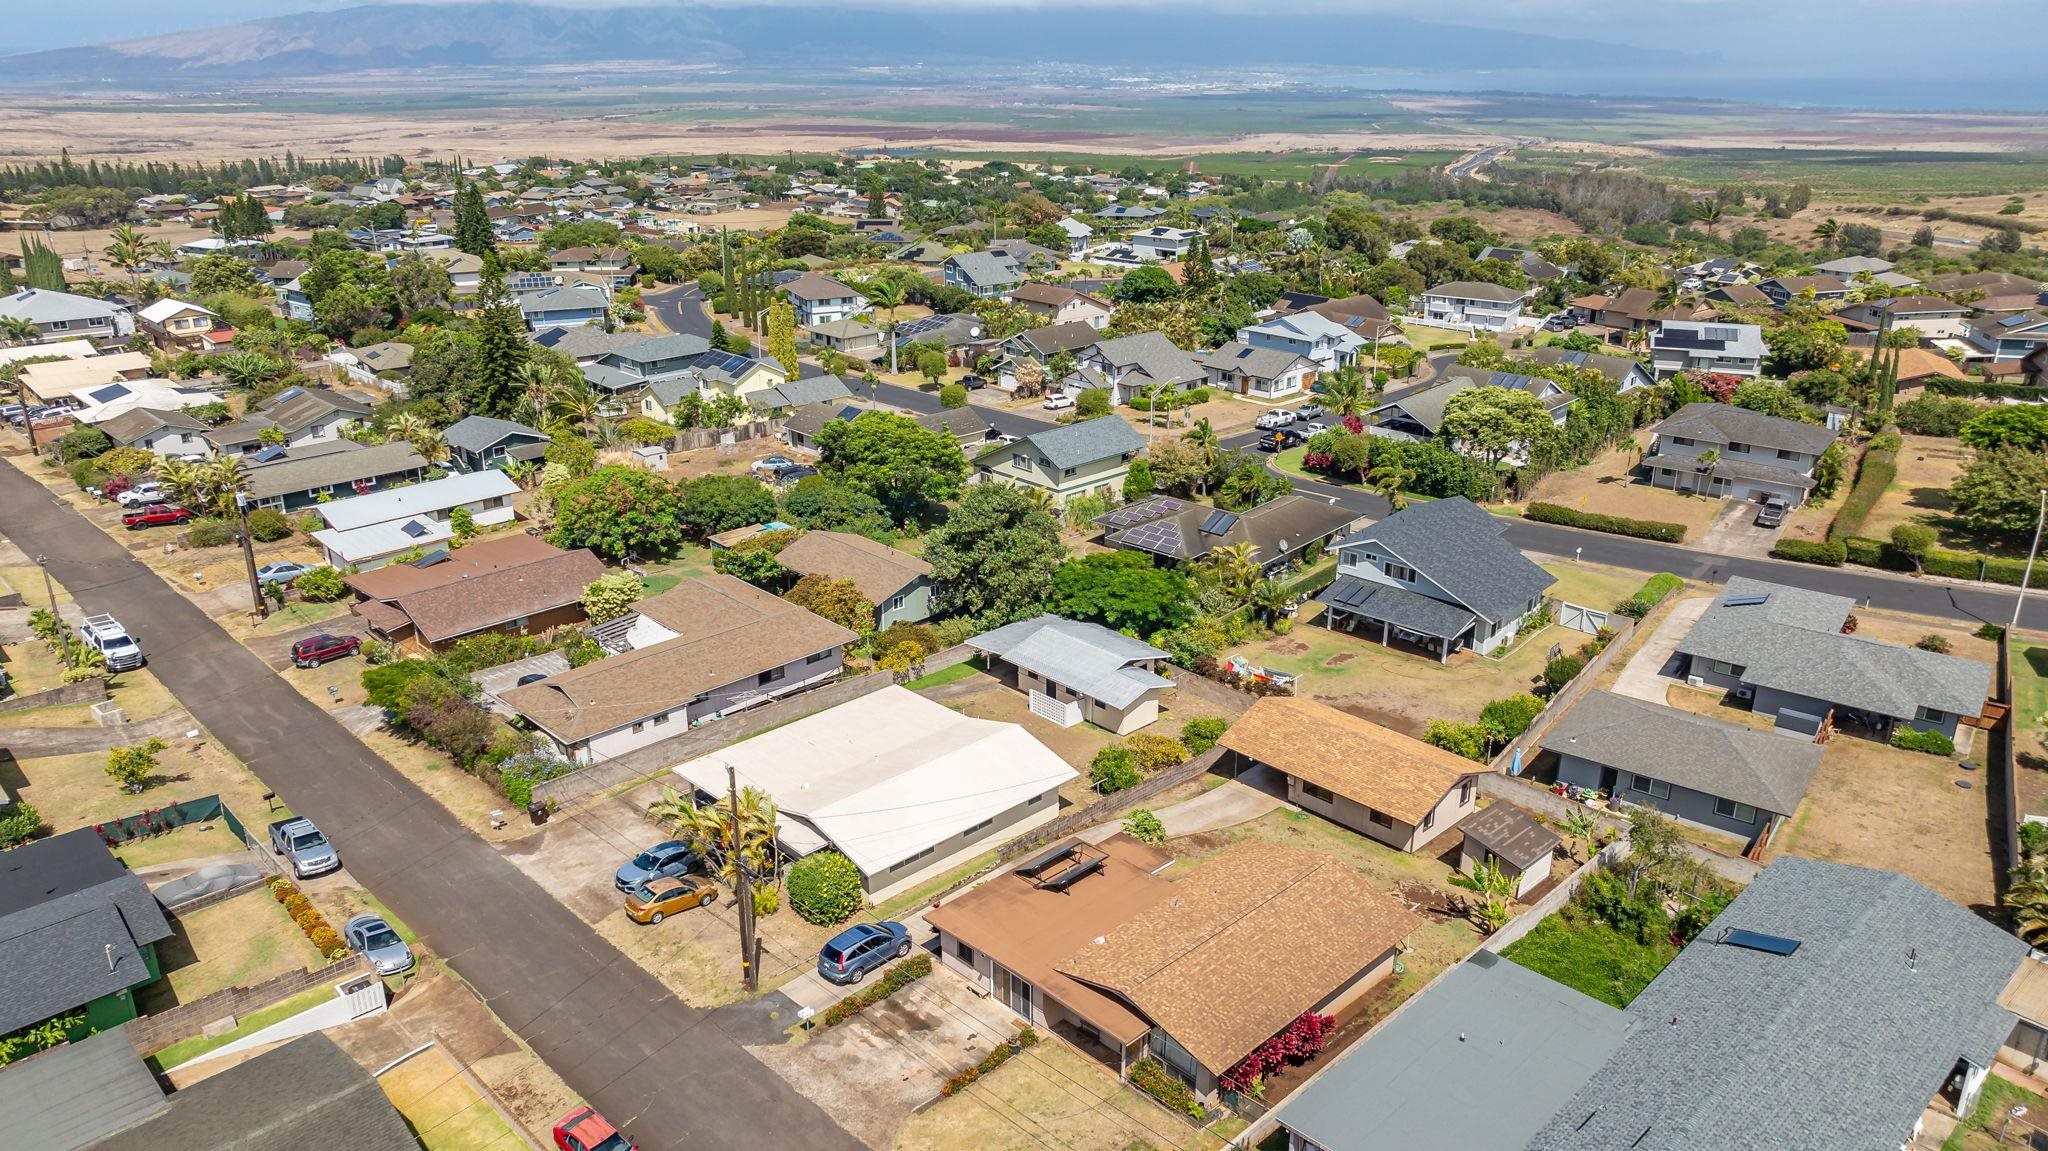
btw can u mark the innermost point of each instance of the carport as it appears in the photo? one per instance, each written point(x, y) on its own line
point(1432, 625)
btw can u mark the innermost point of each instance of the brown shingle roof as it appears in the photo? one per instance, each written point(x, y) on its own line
point(1249, 941)
point(1354, 757)
point(813, 286)
point(727, 630)
point(394, 580)
point(462, 606)
point(876, 569)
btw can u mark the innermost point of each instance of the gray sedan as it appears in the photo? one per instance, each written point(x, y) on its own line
point(379, 944)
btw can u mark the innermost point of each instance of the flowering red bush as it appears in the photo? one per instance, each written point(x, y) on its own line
point(1354, 425)
point(1318, 461)
point(1302, 1041)
point(1719, 386)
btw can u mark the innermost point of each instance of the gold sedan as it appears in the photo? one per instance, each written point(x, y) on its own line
point(657, 899)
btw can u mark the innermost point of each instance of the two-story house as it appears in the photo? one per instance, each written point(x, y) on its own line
point(2004, 339)
point(1931, 316)
point(652, 375)
point(294, 417)
point(823, 300)
point(1134, 365)
point(1077, 234)
point(177, 326)
point(1042, 344)
point(564, 306)
point(1438, 576)
point(292, 300)
point(1090, 457)
point(1705, 346)
point(62, 315)
point(1418, 414)
point(1486, 307)
point(1311, 335)
point(614, 265)
point(1055, 304)
point(1721, 450)
point(982, 274)
point(1783, 290)
point(1162, 243)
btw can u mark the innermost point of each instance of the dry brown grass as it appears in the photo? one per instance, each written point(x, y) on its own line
point(1604, 486)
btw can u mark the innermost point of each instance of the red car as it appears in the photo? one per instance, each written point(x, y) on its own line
point(585, 1130)
point(315, 650)
point(155, 515)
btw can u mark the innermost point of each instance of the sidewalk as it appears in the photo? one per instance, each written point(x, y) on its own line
point(1644, 676)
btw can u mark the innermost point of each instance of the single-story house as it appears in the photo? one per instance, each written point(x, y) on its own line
point(1486, 307)
point(1740, 295)
point(1783, 649)
point(1356, 774)
point(903, 787)
point(1098, 945)
point(479, 442)
point(1439, 574)
point(1510, 840)
point(516, 583)
point(968, 427)
point(1076, 671)
point(1092, 456)
point(1755, 456)
point(1042, 344)
point(1487, 1020)
point(78, 933)
point(1986, 292)
point(1056, 304)
point(82, 1093)
point(70, 380)
point(897, 583)
point(1716, 775)
point(802, 392)
point(369, 530)
point(1178, 531)
point(708, 647)
point(292, 479)
point(1258, 373)
point(167, 433)
point(64, 315)
point(848, 337)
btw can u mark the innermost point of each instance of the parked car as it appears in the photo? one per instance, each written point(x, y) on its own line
point(848, 956)
point(585, 1130)
point(105, 635)
point(1772, 514)
point(303, 846)
point(315, 650)
point(141, 494)
point(973, 383)
point(283, 571)
point(772, 463)
point(658, 899)
point(379, 944)
point(1274, 418)
point(1056, 401)
point(1280, 439)
point(671, 859)
point(1318, 427)
point(155, 515)
point(793, 473)
point(1311, 411)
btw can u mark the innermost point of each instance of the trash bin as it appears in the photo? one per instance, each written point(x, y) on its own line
point(537, 811)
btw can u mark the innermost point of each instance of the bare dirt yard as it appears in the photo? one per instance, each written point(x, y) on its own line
point(1919, 495)
point(1604, 486)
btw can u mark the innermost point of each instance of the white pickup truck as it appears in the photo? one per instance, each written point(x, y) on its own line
point(104, 634)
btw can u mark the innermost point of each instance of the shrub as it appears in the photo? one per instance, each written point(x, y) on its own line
point(87, 474)
point(1151, 1077)
point(268, 525)
point(1201, 733)
point(1156, 752)
point(212, 534)
point(1463, 739)
point(1935, 415)
point(766, 899)
point(517, 775)
point(1143, 826)
point(895, 979)
point(132, 766)
point(385, 686)
point(1934, 643)
point(1990, 631)
point(1880, 468)
point(1504, 719)
point(641, 430)
point(1653, 592)
point(953, 396)
point(1827, 553)
point(1931, 742)
point(1026, 1038)
point(1114, 769)
point(325, 940)
point(1658, 530)
point(321, 585)
point(824, 888)
point(1886, 442)
point(1914, 540)
point(19, 823)
point(1561, 671)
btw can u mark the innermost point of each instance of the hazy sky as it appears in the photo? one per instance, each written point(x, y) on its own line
point(1995, 42)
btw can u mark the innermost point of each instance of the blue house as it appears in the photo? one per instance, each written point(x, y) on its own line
point(567, 306)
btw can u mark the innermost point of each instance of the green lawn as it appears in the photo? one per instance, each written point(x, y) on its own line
point(1591, 957)
point(186, 1050)
point(1592, 585)
point(2030, 684)
point(954, 674)
point(656, 584)
point(1978, 1131)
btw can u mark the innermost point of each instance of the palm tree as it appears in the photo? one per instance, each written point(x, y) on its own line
point(19, 330)
point(182, 479)
point(1494, 888)
point(573, 401)
point(1827, 231)
point(423, 436)
point(1707, 211)
point(1234, 568)
point(219, 480)
point(247, 369)
point(1344, 391)
point(126, 247)
point(1390, 480)
point(2026, 901)
point(709, 827)
point(538, 377)
point(1271, 598)
point(159, 252)
point(1203, 436)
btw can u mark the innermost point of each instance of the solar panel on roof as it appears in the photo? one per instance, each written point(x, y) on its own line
point(414, 528)
point(1746, 600)
point(1725, 334)
point(430, 561)
point(274, 451)
point(2016, 320)
point(1218, 523)
point(110, 392)
point(1758, 941)
point(1575, 359)
point(288, 394)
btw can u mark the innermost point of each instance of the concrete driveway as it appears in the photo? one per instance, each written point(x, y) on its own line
point(1649, 670)
point(1734, 532)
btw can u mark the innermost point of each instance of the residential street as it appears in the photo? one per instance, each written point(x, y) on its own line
point(663, 1070)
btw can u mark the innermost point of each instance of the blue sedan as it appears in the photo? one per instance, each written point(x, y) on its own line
point(283, 571)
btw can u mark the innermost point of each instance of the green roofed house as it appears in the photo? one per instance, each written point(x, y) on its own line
point(78, 933)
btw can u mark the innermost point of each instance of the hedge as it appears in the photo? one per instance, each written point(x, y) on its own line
point(1658, 530)
point(824, 888)
point(1025, 1040)
point(898, 977)
point(1953, 387)
point(1952, 565)
point(1879, 469)
point(1830, 553)
point(1653, 592)
point(1931, 742)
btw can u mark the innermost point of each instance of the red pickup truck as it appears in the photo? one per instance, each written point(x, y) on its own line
point(155, 515)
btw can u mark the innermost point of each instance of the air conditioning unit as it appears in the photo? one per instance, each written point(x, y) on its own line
point(1695, 681)
point(1745, 693)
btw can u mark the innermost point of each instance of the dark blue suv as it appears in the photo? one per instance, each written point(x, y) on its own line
point(851, 954)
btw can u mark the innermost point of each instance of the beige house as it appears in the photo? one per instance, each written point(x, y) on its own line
point(1355, 773)
point(1055, 304)
point(1087, 458)
point(1075, 671)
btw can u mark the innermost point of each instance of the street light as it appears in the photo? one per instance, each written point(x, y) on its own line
point(2019, 602)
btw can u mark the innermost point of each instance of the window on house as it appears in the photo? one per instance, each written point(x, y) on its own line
point(639, 727)
point(1735, 447)
point(1401, 572)
point(1429, 820)
point(1465, 794)
point(1720, 667)
point(1787, 454)
point(895, 602)
point(58, 325)
point(1739, 812)
point(660, 719)
point(979, 826)
point(963, 953)
point(816, 657)
point(1929, 715)
point(1379, 819)
point(1655, 788)
point(1682, 441)
point(1018, 461)
point(1318, 792)
point(769, 676)
point(1067, 474)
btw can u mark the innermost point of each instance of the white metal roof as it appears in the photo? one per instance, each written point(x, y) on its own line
point(367, 543)
point(416, 500)
point(164, 309)
point(885, 776)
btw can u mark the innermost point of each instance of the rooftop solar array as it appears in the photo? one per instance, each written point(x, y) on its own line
point(414, 528)
point(1218, 523)
point(1161, 537)
point(108, 393)
point(1726, 335)
point(1758, 941)
point(729, 362)
point(274, 451)
point(919, 327)
point(1155, 507)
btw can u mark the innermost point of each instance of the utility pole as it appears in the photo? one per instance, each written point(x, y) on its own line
point(2028, 578)
point(49, 589)
point(249, 554)
point(28, 421)
point(742, 886)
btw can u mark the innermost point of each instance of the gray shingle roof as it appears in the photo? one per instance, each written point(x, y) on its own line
point(1512, 834)
point(1461, 549)
point(1793, 642)
point(811, 390)
point(136, 423)
point(307, 1095)
point(1724, 424)
point(1087, 657)
point(1426, 405)
point(64, 901)
point(1067, 337)
point(1766, 771)
point(1258, 363)
point(1840, 1044)
point(478, 433)
point(72, 1095)
point(1153, 354)
point(1073, 445)
point(988, 271)
point(1475, 290)
point(1488, 1021)
point(1398, 606)
point(299, 473)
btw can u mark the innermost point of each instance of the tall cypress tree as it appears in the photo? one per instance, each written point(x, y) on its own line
point(473, 222)
point(501, 347)
point(41, 266)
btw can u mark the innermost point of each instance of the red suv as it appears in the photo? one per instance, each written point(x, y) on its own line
point(155, 515)
point(315, 650)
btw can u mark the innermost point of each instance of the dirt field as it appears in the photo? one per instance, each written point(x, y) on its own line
point(1603, 486)
point(1927, 466)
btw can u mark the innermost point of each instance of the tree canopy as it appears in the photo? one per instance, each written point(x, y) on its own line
point(1496, 421)
point(1123, 590)
point(893, 458)
point(616, 511)
point(994, 557)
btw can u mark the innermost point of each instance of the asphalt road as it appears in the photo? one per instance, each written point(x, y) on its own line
point(663, 1070)
point(681, 310)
